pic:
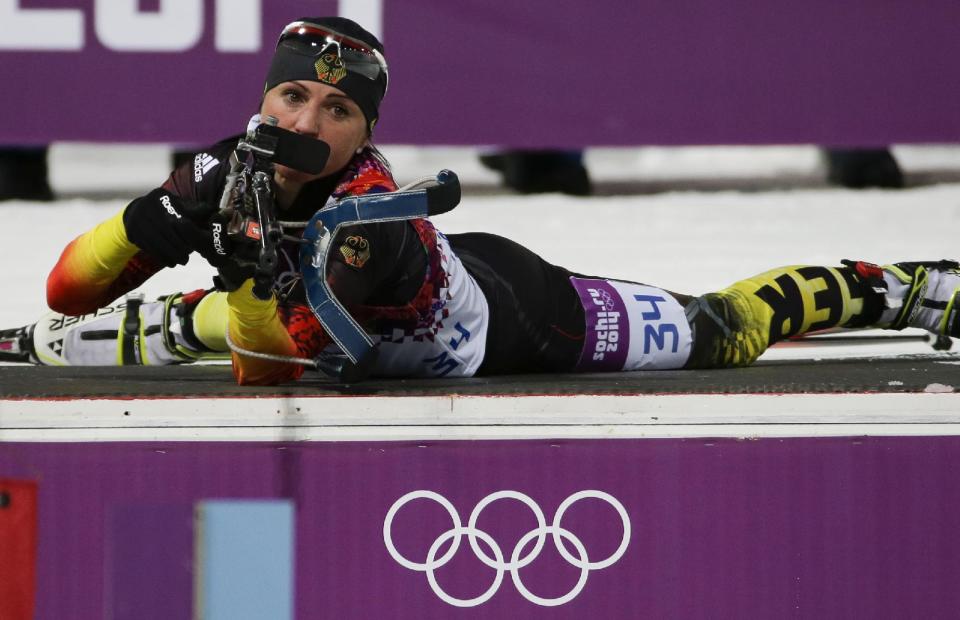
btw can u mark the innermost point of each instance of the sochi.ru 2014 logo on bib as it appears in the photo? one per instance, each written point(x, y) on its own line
point(548, 563)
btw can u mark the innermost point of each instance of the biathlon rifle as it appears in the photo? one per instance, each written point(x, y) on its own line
point(248, 202)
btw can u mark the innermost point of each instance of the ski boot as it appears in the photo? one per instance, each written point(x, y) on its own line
point(131, 332)
point(16, 345)
point(917, 294)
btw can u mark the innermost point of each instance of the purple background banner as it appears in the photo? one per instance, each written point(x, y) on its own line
point(774, 528)
point(538, 73)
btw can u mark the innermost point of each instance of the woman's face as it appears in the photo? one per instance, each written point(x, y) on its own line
point(319, 111)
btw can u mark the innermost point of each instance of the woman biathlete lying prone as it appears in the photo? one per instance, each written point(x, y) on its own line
point(436, 305)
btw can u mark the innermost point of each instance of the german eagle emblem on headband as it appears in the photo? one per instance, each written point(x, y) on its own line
point(330, 69)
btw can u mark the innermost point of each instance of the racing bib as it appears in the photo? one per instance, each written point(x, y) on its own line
point(631, 327)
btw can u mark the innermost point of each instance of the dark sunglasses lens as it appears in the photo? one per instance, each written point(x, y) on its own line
point(366, 65)
point(354, 61)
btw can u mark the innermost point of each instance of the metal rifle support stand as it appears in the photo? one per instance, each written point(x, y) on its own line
point(358, 351)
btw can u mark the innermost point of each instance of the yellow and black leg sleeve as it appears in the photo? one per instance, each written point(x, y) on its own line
point(734, 326)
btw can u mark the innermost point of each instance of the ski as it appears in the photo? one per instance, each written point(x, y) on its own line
point(866, 337)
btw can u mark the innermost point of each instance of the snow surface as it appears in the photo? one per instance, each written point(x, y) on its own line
point(687, 241)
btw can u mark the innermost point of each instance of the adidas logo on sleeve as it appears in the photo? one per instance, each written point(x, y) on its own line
point(202, 164)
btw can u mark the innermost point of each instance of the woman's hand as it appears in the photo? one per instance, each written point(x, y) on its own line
point(169, 228)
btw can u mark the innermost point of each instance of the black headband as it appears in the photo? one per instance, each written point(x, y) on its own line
point(334, 51)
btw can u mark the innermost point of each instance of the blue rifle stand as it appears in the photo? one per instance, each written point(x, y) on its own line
point(358, 351)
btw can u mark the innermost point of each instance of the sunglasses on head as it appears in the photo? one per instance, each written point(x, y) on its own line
point(313, 40)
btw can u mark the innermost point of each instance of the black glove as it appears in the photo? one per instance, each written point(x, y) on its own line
point(169, 228)
point(237, 246)
point(235, 262)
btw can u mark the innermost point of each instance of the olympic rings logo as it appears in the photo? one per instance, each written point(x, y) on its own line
point(517, 560)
